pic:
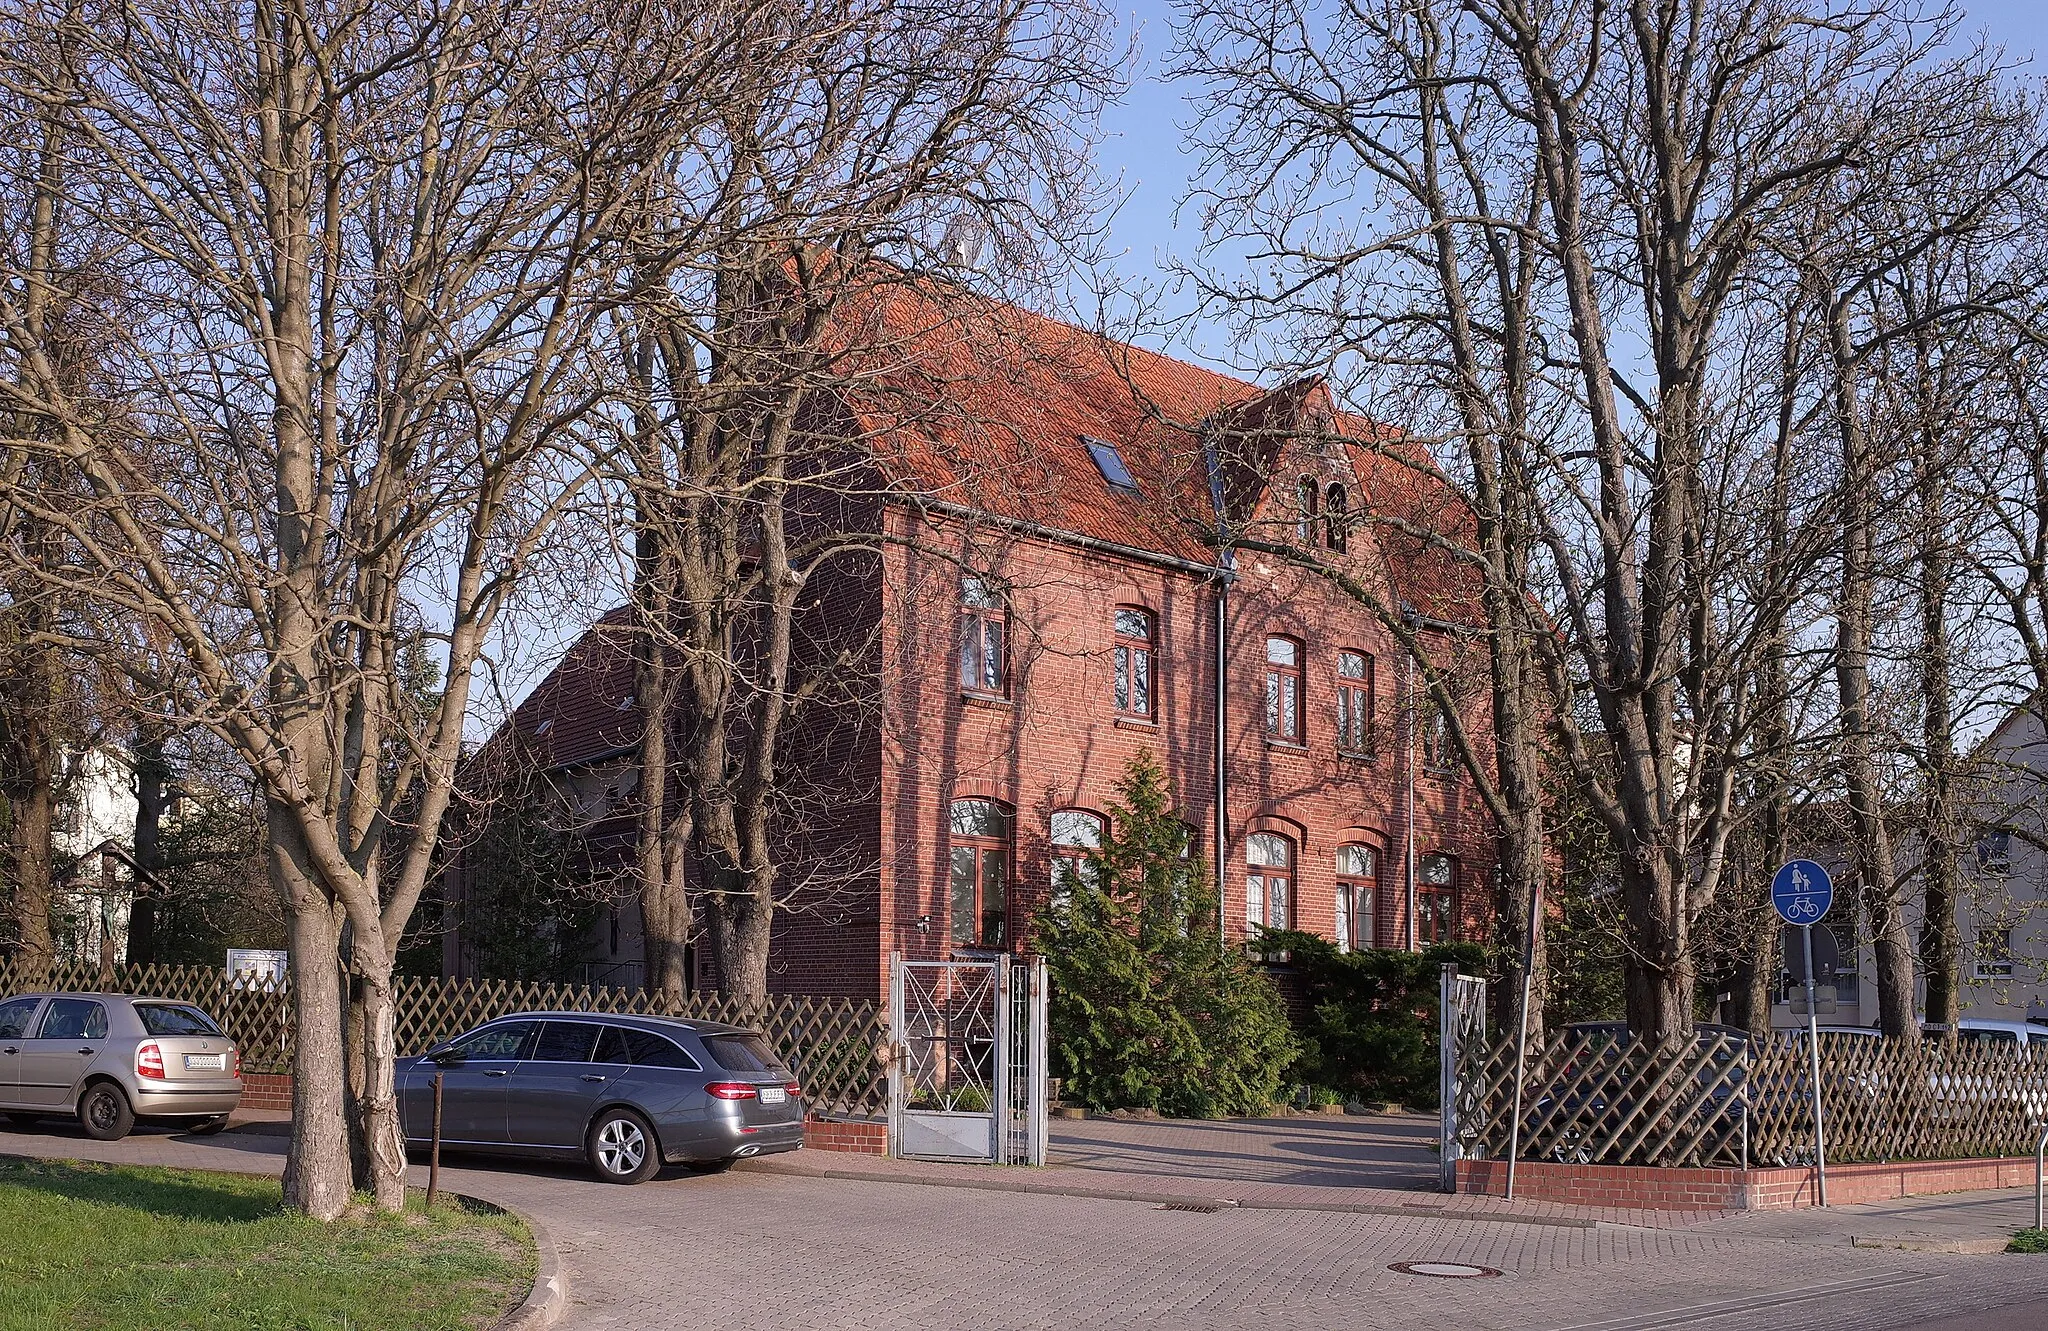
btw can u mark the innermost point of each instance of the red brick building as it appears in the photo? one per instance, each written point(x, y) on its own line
point(1059, 580)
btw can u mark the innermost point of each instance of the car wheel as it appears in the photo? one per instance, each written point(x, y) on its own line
point(105, 1113)
point(622, 1147)
point(207, 1127)
point(25, 1120)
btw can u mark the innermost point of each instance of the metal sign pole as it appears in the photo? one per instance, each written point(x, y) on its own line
point(1820, 1133)
point(434, 1160)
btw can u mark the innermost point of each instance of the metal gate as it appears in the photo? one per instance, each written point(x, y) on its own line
point(967, 1080)
point(1461, 1039)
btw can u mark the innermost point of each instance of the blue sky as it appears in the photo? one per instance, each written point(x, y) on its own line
point(1144, 136)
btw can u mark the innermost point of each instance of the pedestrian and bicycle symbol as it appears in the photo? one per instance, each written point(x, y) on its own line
point(1802, 892)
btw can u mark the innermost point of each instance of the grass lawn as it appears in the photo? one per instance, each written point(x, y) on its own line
point(90, 1246)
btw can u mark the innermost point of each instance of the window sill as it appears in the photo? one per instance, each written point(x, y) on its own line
point(1286, 745)
point(1135, 723)
point(985, 700)
point(1367, 759)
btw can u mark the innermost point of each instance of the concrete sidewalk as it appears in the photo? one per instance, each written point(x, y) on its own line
point(1389, 1151)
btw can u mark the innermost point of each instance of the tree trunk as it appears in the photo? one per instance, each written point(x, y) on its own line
point(740, 918)
point(28, 780)
point(1659, 977)
point(1875, 866)
point(152, 796)
point(663, 834)
point(377, 1103)
point(317, 1176)
point(1940, 948)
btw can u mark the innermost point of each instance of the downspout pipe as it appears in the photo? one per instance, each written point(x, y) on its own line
point(1408, 773)
point(1413, 620)
point(1226, 574)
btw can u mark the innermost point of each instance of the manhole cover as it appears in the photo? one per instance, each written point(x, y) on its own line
point(1443, 1270)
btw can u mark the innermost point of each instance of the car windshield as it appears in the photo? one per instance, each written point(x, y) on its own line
point(175, 1019)
point(743, 1053)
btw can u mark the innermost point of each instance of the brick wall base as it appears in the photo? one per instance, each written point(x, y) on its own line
point(852, 1136)
point(1641, 1188)
point(267, 1090)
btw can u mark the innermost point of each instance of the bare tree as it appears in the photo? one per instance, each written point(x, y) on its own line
point(1573, 209)
point(357, 250)
point(842, 153)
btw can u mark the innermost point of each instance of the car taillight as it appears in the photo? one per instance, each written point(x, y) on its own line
point(730, 1090)
point(149, 1060)
point(234, 1063)
point(795, 1088)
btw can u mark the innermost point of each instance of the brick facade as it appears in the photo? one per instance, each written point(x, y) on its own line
point(1007, 485)
point(1056, 741)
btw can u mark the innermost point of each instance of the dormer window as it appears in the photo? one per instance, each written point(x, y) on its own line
point(1111, 464)
point(1336, 518)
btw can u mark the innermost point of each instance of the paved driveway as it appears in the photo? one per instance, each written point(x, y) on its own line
point(1332, 1151)
point(793, 1253)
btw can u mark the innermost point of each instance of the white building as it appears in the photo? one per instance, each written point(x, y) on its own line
point(2002, 891)
point(91, 901)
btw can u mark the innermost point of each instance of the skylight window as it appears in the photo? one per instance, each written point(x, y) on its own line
point(1111, 464)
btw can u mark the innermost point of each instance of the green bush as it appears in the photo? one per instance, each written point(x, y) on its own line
point(1372, 1029)
point(1148, 1010)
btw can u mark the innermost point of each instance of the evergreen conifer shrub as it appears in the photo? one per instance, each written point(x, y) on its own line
point(1149, 1008)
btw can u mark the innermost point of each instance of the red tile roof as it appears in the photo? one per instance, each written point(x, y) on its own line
point(987, 406)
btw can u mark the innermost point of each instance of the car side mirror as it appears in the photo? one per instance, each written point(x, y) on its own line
point(445, 1056)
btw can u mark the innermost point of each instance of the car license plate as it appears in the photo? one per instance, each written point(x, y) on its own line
point(773, 1095)
point(206, 1062)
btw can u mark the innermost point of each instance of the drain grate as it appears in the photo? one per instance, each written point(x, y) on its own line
point(1444, 1270)
point(1199, 1208)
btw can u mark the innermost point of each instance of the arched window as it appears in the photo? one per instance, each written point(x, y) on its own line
point(1358, 875)
point(981, 836)
point(1074, 832)
point(1436, 899)
point(1354, 703)
point(1133, 692)
point(983, 631)
point(1283, 689)
point(1269, 879)
point(1336, 517)
point(1305, 516)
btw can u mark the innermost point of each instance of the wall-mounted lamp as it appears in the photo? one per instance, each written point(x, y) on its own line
point(924, 924)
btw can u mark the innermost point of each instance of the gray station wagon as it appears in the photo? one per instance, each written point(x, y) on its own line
point(626, 1093)
point(113, 1058)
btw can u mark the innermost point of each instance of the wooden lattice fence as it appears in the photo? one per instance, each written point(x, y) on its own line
point(1597, 1097)
point(830, 1042)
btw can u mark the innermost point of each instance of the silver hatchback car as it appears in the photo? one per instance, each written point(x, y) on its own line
point(110, 1059)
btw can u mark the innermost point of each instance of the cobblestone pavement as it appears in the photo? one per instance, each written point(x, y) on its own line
point(751, 1249)
point(1347, 1150)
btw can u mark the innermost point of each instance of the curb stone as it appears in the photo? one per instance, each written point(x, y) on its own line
point(549, 1296)
point(764, 1165)
point(1914, 1243)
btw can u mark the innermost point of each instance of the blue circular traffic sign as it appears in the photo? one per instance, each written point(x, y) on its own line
point(1802, 892)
